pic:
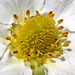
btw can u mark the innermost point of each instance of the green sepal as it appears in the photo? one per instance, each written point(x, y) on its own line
point(38, 71)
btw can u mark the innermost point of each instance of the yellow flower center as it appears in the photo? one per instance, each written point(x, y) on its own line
point(38, 39)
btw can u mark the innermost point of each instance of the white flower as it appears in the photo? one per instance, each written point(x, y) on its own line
point(9, 64)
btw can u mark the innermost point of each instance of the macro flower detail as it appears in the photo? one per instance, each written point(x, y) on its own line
point(38, 42)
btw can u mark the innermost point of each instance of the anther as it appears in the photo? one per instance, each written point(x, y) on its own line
point(60, 53)
point(37, 13)
point(61, 27)
point(54, 45)
point(15, 52)
point(8, 38)
point(15, 16)
point(40, 52)
point(25, 19)
point(60, 21)
point(28, 12)
point(66, 44)
point(28, 58)
point(49, 54)
point(31, 51)
point(14, 35)
point(42, 61)
point(23, 52)
point(64, 34)
point(50, 13)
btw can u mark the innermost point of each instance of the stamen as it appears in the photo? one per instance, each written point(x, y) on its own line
point(8, 38)
point(40, 52)
point(25, 19)
point(14, 35)
point(15, 52)
point(66, 44)
point(64, 34)
point(15, 16)
point(49, 54)
point(28, 12)
point(50, 13)
point(60, 21)
point(31, 51)
point(54, 45)
point(42, 61)
point(37, 13)
point(28, 58)
point(60, 53)
point(23, 52)
point(61, 27)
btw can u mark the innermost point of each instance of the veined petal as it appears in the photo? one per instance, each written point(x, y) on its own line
point(60, 68)
point(14, 66)
point(68, 15)
point(56, 6)
point(71, 53)
point(19, 7)
point(4, 32)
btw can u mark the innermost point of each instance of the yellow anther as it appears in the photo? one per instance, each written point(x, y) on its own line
point(28, 12)
point(42, 61)
point(25, 19)
point(37, 13)
point(15, 52)
point(15, 16)
point(64, 34)
point(60, 21)
point(40, 52)
point(31, 51)
point(49, 54)
point(28, 58)
point(8, 38)
point(14, 35)
point(60, 53)
point(54, 45)
point(23, 52)
point(61, 27)
point(50, 13)
point(66, 44)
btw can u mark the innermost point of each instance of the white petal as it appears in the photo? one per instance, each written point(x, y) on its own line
point(60, 68)
point(68, 14)
point(71, 54)
point(19, 7)
point(56, 6)
point(4, 32)
point(14, 67)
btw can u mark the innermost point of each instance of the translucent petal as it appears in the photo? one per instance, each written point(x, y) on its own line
point(60, 68)
point(19, 7)
point(68, 14)
point(14, 66)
